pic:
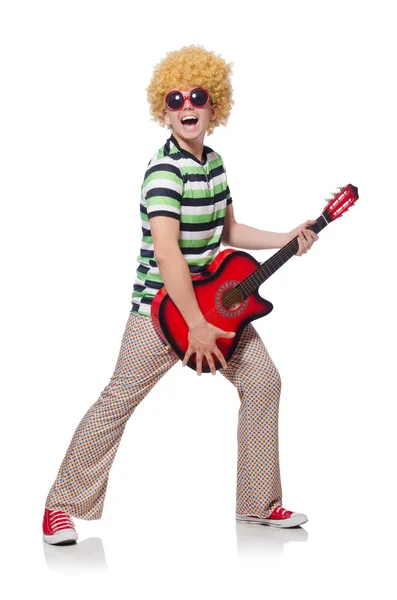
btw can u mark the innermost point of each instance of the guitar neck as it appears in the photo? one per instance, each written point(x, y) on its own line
point(251, 283)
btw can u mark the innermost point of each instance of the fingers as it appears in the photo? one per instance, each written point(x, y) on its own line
point(199, 367)
point(311, 235)
point(210, 360)
point(188, 354)
point(211, 363)
point(221, 333)
point(300, 246)
point(221, 358)
point(306, 239)
point(201, 347)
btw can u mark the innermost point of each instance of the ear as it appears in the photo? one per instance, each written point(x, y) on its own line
point(166, 118)
point(214, 112)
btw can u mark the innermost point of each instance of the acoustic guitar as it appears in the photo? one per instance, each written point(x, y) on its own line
point(227, 292)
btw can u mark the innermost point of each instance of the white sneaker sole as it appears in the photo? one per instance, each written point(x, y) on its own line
point(294, 520)
point(66, 536)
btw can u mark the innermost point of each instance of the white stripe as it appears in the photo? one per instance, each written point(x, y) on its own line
point(207, 254)
point(212, 156)
point(148, 289)
point(186, 235)
point(162, 183)
point(143, 306)
point(200, 186)
point(146, 246)
point(167, 207)
point(200, 235)
point(204, 210)
point(219, 179)
point(153, 271)
point(166, 160)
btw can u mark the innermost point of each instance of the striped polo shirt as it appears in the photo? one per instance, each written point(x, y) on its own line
point(178, 185)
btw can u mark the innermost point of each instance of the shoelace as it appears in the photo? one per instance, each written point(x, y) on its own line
point(280, 508)
point(60, 520)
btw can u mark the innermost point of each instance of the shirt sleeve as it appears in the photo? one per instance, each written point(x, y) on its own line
point(162, 189)
point(228, 196)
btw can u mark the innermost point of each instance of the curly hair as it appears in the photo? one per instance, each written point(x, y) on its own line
point(192, 65)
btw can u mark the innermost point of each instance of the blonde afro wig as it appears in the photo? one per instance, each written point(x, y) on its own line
point(192, 65)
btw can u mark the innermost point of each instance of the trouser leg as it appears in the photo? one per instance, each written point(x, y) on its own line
point(80, 486)
point(253, 373)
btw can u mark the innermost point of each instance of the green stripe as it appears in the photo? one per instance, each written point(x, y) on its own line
point(162, 175)
point(141, 276)
point(199, 261)
point(162, 200)
point(154, 277)
point(144, 259)
point(214, 163)
point(220, 187)
point(204, 192)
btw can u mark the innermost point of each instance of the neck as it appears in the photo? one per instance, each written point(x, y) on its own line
point(195, 147)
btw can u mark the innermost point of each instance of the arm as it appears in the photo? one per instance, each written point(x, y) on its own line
point(238, 235)
point(162, 192)
point(175, 273)
point(174, 269)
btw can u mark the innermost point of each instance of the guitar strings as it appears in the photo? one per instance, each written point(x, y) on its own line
point(255, 278)
point(244, 287)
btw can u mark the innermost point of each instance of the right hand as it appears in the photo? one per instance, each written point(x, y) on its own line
point(202, 341)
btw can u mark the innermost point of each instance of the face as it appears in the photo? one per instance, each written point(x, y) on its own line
point(193, 130)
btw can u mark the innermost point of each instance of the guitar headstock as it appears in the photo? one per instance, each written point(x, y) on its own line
point(340, 202)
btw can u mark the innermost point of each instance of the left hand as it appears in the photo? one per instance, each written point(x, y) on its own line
point(306, 237)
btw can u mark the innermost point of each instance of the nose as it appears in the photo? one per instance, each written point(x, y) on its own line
point(187, 103)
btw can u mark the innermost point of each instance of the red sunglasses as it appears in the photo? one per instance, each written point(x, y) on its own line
point(199, 97)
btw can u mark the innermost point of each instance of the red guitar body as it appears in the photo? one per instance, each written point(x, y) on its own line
point(229, 307)
point(212, 288)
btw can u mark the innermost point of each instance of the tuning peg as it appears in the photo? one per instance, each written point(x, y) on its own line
point(328, 200)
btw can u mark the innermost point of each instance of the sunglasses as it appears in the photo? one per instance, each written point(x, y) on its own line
point(199, 97)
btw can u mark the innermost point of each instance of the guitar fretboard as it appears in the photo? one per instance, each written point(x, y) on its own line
point(251, 283)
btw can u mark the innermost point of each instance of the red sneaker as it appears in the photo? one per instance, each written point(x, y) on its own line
point(58, 528)
point(280, 517)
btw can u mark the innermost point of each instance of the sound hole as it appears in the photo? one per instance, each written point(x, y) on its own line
point(229, 301)
point(232, 299)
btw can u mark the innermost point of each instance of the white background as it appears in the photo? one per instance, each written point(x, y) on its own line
point(315, 108)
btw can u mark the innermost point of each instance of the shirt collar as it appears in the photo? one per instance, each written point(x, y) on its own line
point(174, 141)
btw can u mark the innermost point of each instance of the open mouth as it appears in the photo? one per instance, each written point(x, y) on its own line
point(189, 122)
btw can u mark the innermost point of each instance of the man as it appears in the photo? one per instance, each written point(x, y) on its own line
point(186, 212)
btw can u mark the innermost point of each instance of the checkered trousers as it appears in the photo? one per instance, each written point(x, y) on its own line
point(80, 486)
